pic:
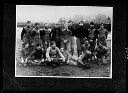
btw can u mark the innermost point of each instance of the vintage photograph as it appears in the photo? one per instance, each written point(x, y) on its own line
point(63, 41)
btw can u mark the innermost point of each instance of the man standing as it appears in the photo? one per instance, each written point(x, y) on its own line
point(45, 36)
point(92, 37)
point(36, 35)
point(81, 33)
point(55, 35)
point(102, 35)
point(26, 33)
point(66, 39)
point(71, 27)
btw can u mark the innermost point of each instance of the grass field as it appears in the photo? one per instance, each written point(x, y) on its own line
point(70, 71)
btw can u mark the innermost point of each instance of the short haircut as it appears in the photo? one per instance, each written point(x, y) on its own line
point(37, 23)
point(91, 23)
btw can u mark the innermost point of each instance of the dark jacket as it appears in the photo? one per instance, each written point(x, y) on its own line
point(37, 54)
point(66, 35)
point(45, 35)
point(81, 32)
point(35, 34)
point(55, 34)
point(72, 29)
point(26, 33)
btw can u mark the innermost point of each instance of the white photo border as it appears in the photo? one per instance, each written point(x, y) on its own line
point(68, 76)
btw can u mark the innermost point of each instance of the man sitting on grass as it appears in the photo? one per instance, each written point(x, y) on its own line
point(37, 56)
point(53, 55)
point(72, 60)
point(101, 53)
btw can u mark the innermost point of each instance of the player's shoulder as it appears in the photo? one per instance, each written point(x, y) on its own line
point(57, 48)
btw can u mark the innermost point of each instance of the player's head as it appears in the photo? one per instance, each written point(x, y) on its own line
point(28, 23)
point(102, 25)
point(81, 23)
point(57, 25)
point(37, 24)
point(38, 46)
point(46, 25)
point(62, 50)
point(26, 45)
point(53, 44)
point(91, 24)
point(86, 42)
point(70, 22)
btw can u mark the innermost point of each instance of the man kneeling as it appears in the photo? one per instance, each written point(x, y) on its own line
point(101, 53)
point(53, 55)
point(37, 55)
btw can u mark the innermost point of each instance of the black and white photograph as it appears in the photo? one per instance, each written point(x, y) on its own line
point(63, 41)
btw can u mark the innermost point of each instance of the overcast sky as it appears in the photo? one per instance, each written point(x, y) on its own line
point(43, 13)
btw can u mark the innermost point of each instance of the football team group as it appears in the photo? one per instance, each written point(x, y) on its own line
point(71, 45)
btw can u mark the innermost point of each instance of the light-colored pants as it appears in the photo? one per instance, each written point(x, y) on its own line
point(79, 44)
point(73, 60)
point(66, 46)
point(73, 45)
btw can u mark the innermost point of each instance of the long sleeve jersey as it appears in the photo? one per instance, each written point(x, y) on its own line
point(53, 53)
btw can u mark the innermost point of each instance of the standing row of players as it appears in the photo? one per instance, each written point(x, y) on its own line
point(42, 46)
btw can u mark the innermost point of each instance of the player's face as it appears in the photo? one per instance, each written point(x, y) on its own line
point(86, 43)
point(91, 25)
point(62, 50)
point(26, 45)
point(71, 23)
point(37, 26)
point(28, 24)
point(80, 24)
point(102, 26)
point(56, 25)
point(54, 45)
point(38, 48)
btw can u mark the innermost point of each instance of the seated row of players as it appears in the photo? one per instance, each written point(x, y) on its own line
point(37, 44)
point(55, 56)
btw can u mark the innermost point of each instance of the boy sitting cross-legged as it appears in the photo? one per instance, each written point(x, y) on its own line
point(37, 56)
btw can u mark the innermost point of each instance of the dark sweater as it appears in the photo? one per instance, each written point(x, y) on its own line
point(81, 32)
point(55, 33)
point(72, 29)
point(37, 54)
